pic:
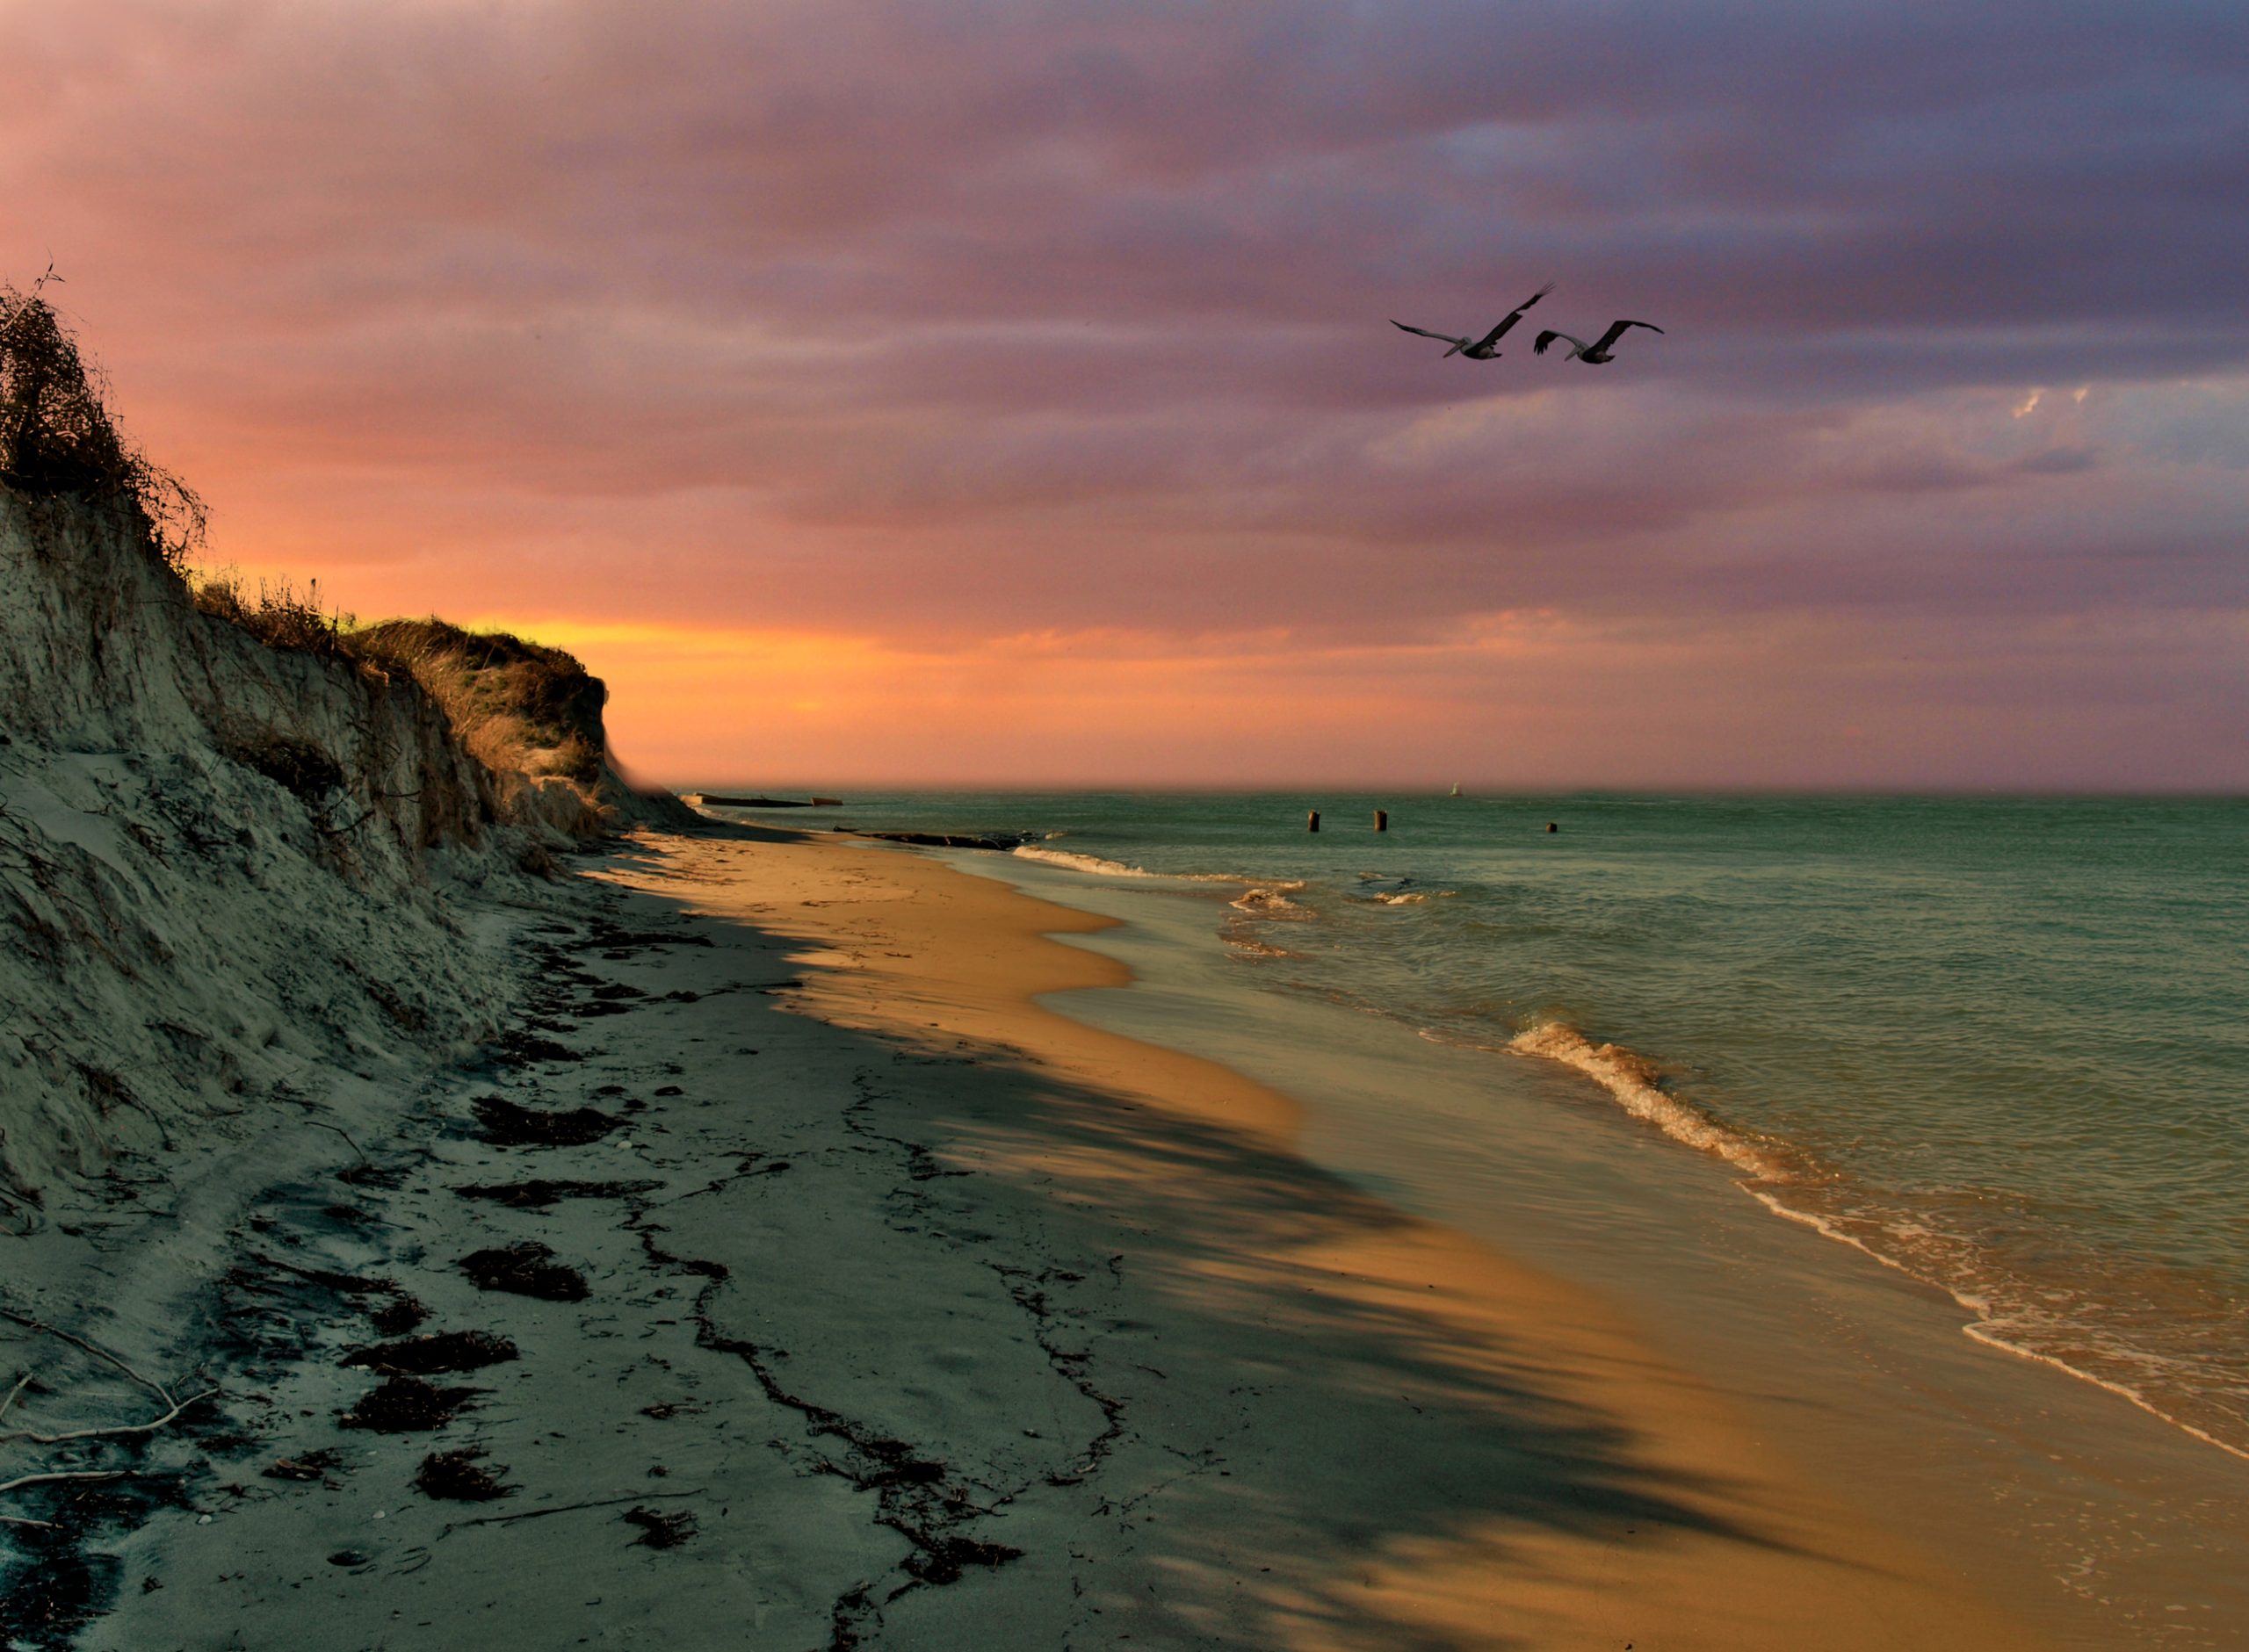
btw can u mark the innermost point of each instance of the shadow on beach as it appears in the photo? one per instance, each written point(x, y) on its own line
point(1273, 1420)
point(829, 1332)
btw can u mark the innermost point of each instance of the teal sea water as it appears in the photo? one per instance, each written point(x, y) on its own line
point(2002, 1044)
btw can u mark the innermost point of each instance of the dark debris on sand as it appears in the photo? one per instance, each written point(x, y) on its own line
point(369, 1175)
point(263, 1296)
point(662, 1531)
point(456, 1476)
point(606, 937)
point(508, 1125)
point(522, 1048)
point(940, 1560)
point(434, 1351)
point(399, 1315)
point(406, 1404)
point(528, 1269)
point(537, 1193)
point(55, 1577)
point(308, 1466)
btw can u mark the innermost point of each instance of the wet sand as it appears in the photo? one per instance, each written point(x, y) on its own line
point(916, 1314)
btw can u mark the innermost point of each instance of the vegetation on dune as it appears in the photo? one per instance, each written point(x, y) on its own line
point(279, 616)
point(515, 705)
point(57, 439)
point(519, 708)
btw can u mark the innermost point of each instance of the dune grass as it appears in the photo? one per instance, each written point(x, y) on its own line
point(517, 706)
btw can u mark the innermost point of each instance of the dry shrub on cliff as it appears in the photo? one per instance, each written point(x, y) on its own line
point(279, 616)
point(57, 438)
point(519, 708)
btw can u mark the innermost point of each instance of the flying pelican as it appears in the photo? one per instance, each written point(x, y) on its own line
point(1592, 355)
point(1486, 347)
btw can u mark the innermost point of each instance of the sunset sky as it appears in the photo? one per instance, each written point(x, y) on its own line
point(1003, 392)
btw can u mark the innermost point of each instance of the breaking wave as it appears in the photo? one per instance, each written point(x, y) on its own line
point(1249, 946)
point(2010, 1314)
point(1100, 867)
point(1634, 1081)
point(2013, 1316)
point(1265, 902)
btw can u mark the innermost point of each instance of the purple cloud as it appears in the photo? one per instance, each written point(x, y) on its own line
point(946, 318)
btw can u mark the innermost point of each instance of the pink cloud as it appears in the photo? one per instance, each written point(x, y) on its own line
point(941, 324)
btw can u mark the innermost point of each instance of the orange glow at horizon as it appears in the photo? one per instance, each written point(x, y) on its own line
point(998, 710)
point(1501, 704)
point(870, 394)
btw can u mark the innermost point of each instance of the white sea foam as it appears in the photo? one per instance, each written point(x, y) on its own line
point(1250, 947)
point(1100, 867)
point(1982, 1331)
point(1081, 862)
point(1987, 1327)
point(1633, 1080)
point(1268, 903)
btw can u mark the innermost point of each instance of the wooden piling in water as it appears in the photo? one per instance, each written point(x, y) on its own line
point(1382, 819)
point(1311, 822)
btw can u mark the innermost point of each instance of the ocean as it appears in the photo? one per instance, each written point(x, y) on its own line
point(2000, 1044)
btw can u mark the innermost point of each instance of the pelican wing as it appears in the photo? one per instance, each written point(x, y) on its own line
point(1425, 333)
point(1538, 345)
point(1515, 316)
point(1616, 331)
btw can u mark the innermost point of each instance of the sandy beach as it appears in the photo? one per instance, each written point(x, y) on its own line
point(877, 1306)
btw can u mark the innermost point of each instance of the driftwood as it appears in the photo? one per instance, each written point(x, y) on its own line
point(173, 1405)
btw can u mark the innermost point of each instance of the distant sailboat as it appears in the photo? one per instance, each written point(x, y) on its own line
point(1456, 788)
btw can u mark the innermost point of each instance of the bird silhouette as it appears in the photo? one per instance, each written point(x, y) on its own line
point(1596, 353)
point(1486, 348)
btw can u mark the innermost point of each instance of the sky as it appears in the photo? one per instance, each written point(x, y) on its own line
point(1003, 392)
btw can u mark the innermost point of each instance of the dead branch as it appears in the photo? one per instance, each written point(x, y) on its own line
point(564, 1508)
point(62, 1474)
point(99, 1352)
point(348, 1141)
point(105, 1433)
point(173, 1406)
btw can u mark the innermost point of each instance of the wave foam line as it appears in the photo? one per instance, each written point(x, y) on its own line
point(1248, 946)
point(1100, 867)
point(1631, 1080)
point(1981, 1330)
point(1268, 903)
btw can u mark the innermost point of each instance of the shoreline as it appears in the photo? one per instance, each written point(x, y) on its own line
point(1002, 1002)
point(2042, 1164)
point(2100, 1525)
point(944, 1318)
point(1757, 1168)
